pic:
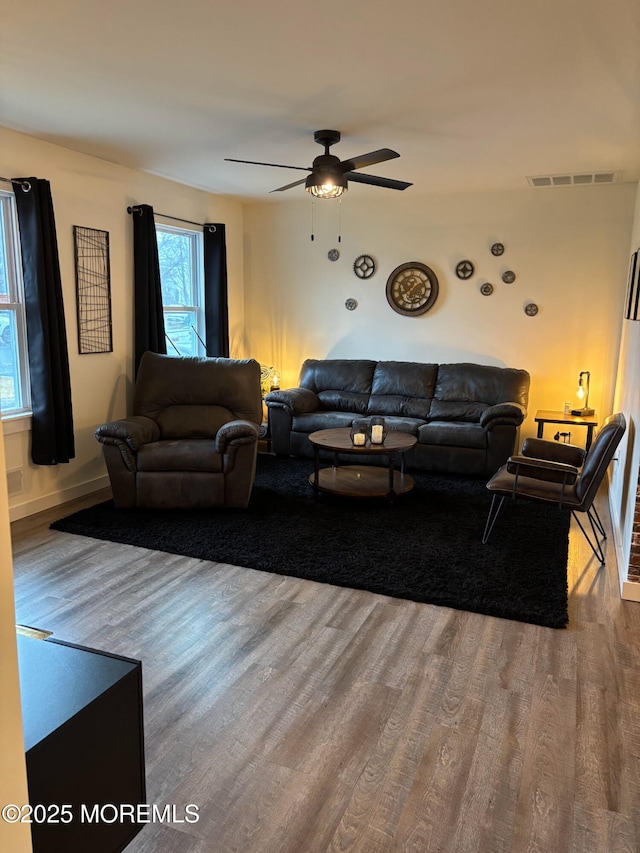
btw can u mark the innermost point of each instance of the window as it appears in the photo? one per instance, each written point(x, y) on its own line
point(182, 277)
point(14, 371)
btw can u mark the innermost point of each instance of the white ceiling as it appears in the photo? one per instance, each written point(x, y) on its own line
point(473, 95)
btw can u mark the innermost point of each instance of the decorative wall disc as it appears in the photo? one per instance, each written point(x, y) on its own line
point(333, 254)
point(508, 277)
point(497, 249)
point(486, 289)
point(364, 266)
point(351, 304)
point(531, 309)
point(464, 269)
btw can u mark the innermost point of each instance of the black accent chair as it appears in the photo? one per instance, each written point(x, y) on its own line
point(192, 439)
point(559, 474)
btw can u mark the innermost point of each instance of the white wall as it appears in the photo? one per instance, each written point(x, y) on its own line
point(13, 774)
point(624, 473)
point(568, 247)
point(91, 192)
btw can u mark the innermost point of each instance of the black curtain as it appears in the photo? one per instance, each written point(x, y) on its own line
point(52, 438)
point(216, 309)
point(148, 316)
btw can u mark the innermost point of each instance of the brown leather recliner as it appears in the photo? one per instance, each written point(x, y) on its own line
point(559, 474)
point(192, 438)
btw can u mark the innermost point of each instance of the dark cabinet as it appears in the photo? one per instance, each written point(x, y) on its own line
point(83, 730)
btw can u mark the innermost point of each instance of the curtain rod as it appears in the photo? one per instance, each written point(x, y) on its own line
point(26, 186)
point(136, 209)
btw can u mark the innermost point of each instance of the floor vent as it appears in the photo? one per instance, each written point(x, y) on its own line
point(578, 179)
point(14, 481)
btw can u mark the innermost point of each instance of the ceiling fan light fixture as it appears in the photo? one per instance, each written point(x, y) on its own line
point(323, 184)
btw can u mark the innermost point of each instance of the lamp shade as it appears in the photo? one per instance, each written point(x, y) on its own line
point(326, 183)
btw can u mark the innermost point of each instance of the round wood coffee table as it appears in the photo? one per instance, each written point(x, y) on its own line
point(361, 481)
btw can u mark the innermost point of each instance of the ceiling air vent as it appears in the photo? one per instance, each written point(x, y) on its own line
point(579, 179)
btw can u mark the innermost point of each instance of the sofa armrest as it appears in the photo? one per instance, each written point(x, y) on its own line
point(236, 433)
point(553, 451)
point(542, 469)
point(133, 431)
point(503, 414)
point(296, 401)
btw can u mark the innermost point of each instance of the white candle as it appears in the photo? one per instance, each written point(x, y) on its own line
point(376, 434)
point(359, 438)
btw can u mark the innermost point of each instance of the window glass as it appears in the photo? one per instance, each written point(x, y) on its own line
point(14, 373)
point(181, 274)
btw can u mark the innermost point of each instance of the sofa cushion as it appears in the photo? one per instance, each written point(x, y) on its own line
point(394, 404)
point(400, 424)
point(479, 383)
point(312, 421)
point(448, 410)
point(404, 378)
point(192, 421)
point(453, 434)
point(343, 401)
point(185, 455)
point(337, 375)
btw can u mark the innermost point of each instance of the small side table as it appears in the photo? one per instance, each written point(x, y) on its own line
point(546, 417)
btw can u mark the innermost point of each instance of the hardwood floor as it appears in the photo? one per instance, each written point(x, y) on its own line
point(304, 718)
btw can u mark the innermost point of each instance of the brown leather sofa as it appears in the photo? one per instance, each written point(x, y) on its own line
point(465, 416)
point(192, 438)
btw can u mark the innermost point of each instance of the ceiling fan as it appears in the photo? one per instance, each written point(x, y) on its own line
point(329, 175)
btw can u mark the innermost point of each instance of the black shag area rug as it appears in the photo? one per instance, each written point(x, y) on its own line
point(427, 546)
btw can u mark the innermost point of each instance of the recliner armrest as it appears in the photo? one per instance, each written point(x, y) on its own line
point(554, 451)
point(133, 431)
point(235, 433)
point(297, 401)
point(509, 414)
point(542, 469)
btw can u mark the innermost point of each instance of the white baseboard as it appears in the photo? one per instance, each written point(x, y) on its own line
point(629, 590)
point(31, 507)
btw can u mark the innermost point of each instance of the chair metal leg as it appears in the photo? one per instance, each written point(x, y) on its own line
point(597, 547)
point(598, 522)
point(492, 517)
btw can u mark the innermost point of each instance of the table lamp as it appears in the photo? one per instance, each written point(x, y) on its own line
point(583, 394)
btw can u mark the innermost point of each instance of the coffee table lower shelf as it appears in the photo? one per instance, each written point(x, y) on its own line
point(361, 481)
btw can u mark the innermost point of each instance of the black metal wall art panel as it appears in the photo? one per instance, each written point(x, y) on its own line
point(93, 290)
point(632, 302)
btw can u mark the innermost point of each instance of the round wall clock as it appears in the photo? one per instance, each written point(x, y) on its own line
point(364, 266)
point(412, 289)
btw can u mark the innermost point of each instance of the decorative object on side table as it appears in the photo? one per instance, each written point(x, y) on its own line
point(378, 430)
point(584, 381)
point(359, 432)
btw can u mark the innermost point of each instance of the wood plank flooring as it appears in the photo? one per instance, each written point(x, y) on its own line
point(303, 718)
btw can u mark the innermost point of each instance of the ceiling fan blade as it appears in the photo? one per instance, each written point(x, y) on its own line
point(277, 165)
point(288, 186)
point(369, 159)
point(390, 183)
